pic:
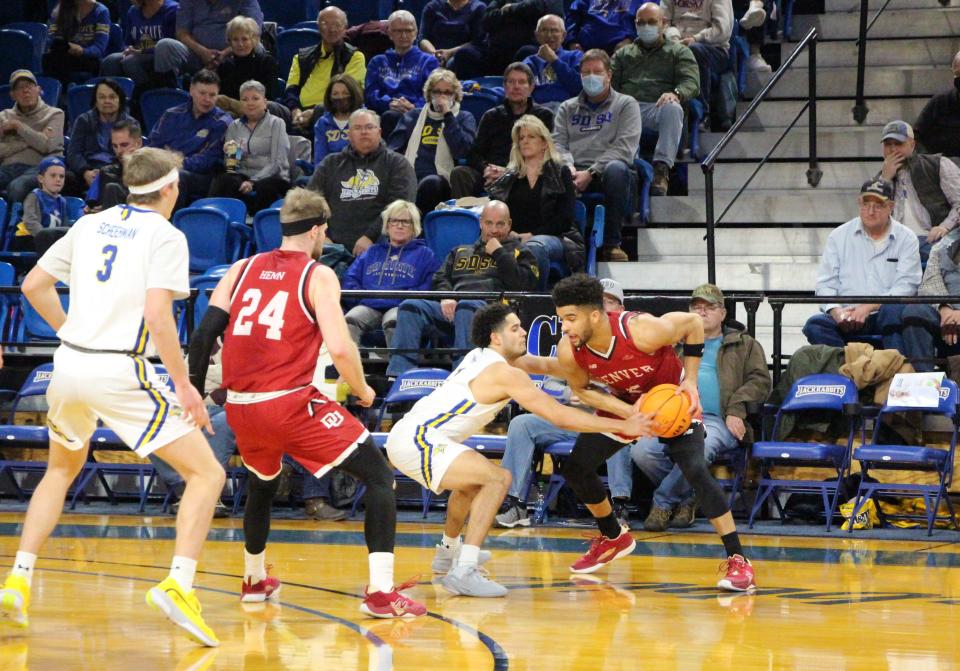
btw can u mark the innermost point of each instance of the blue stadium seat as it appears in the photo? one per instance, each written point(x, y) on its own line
point(478, 103)
point(210, 237)
point(50, 89)
point(16, 52)
point(645, 175)
point(289, 42)
point(78, 100)
point(125, 83)
point(595, 241)
point(9, 304)
point(933, 460)
point(74, 209)
point(234, 208)
point(445, 229)
point(38, 32)
point(31, 327)
point(155, 102)
point(288, 13)
point(9, 226)
point(115, 43)
point(266, 230)
point(826, 394)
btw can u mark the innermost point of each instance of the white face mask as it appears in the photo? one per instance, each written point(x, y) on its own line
point(435, 101)
point(593, 84)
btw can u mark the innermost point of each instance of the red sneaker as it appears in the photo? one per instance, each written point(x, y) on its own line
point(268, 588)
point(739, 577)
point(604, 550)
point(392, 604)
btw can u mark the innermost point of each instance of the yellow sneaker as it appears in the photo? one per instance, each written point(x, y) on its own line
point(182, 609)
point(14, 600)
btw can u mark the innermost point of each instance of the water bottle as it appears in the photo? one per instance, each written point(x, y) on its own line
point(540, 507)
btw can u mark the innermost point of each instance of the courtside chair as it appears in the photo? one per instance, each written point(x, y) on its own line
point(826, 394)
point(446, 229)
point(934, 460)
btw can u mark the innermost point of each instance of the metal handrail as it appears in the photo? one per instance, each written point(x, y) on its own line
point(813, 172)
point(860, 109)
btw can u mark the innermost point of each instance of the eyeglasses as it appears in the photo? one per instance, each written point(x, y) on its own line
point(704, 307)
point(400, 223)
point(402, 31)
point(369, 128)
point(438, 92)
point(872, 206)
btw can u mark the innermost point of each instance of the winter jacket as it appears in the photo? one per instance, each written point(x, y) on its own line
point(40, 135)
point(494, 140)
point(199, 139)
point(384, 266)
point(259, 65)
point(391, 76)
point(742, 373)
point(358, 188)
point(647, 73)
point(470, 268)
point(85, 142)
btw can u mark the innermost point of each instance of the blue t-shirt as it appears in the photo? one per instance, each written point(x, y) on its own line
point(425, 164)
point(708, 384)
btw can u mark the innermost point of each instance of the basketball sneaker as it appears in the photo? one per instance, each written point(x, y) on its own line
point(14, 600)
point(513, 516)
point(739, 575)
point(604, 550)
point(468, 581)
point(446, 558)
point(268, 588)
point(182, 609)
point(392, 604)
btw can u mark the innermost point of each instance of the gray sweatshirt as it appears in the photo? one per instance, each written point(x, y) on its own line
point(266, 149)
point(707, 21)
point(40, 135)
point(590, 136)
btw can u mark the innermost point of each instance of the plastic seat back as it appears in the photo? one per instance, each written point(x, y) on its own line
point(446, 229)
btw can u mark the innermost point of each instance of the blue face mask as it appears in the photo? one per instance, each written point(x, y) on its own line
point(592, 84)
point(647, 34)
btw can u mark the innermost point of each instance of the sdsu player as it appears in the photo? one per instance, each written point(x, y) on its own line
point(125, 266)
point(630, 353)
point(426, 444)
point(275, 310)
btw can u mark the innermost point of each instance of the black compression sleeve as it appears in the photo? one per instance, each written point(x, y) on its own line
point(212, 326)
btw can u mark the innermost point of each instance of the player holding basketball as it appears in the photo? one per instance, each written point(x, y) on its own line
point(426, 444)
point(630, 353)
point(125, 266)
point(275, 310)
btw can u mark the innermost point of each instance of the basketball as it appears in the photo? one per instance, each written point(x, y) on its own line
point(670, 411)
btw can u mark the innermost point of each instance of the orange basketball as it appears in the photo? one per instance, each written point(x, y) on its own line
point(670, 411)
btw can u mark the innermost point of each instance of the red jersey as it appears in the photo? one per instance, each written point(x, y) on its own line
point(624, 369)
point(272, 341)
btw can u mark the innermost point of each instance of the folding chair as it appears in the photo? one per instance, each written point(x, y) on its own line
point(210, 237)
point(409, 387)
point(824, 394)
point(446, 229)
point(155, 102)
point(911, 458)
point(267, 234)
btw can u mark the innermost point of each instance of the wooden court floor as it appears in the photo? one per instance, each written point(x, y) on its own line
point(834, 604)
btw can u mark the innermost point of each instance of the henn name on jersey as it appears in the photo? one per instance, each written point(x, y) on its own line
point(272, 274)
point(116, 231)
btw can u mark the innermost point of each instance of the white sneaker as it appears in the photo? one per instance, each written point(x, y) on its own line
point(445, 558)
point(757, 64)
point(754, 17)
point(468, 581)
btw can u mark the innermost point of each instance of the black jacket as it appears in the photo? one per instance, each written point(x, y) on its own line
point(470, 268)
point(938, 126)
point(259, 66)
point(493, 141)
point(83, 141)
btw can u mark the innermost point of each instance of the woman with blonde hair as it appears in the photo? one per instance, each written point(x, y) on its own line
point(435, 137)
point(402, 261)
point(246, 61)
point(539, 191)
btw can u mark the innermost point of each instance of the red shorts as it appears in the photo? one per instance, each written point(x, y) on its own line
point(317, 432)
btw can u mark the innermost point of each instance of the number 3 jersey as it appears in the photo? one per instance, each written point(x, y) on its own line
point(109, 260)
point(273, 339)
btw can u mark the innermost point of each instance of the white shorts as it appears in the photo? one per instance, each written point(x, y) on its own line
point(421, 453)
point(123, 391)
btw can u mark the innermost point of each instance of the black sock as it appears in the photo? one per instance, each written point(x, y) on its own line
point(609, 526)
point(731, 544)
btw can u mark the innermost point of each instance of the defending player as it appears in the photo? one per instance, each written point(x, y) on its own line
point(426, 444)
point(276, 310)
point(631, 353)
point(125, 266)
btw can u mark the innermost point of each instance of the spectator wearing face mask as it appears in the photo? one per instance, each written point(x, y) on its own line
point(660, 75)
point(938, 126)
point(331, 132)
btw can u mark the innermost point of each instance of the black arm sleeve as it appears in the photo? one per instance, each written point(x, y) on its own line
point(212, 326)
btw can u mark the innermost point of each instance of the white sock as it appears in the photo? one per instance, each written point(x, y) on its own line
point(254, 567)
point(469, 555)
point(182, 569)
point(450, 543)
point(23, 565)
point(381, 571)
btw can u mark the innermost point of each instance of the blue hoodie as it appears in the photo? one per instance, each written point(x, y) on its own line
point(391, 76)
point(384, 266)
point(600, 24)
point(328, 138)
point(559, 80)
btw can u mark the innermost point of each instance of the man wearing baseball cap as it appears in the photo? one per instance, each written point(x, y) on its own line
point(733, 373)
point(30, 131)
point(926, 186)
point(612, 295)
point(870, 255)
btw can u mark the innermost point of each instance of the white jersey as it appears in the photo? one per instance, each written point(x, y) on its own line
point(451, 408)
point(109, 259)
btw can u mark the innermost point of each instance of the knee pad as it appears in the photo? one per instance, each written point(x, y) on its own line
point(688, 455)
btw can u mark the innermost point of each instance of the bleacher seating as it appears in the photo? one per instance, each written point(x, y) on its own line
point(16, 52)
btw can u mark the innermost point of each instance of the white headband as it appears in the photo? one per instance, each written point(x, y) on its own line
point(155, 185)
